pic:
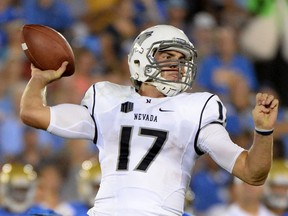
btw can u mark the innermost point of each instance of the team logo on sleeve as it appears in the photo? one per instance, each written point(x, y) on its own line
point(127, 107)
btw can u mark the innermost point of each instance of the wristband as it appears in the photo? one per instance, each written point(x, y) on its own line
point(264, 132)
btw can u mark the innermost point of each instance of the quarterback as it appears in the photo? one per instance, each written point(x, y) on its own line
point(150, 134)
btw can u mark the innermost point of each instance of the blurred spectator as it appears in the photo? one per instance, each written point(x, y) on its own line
point(55, 14)
point(5, 102)
point(149, 12)
point(15, 139)
point(239, 118)
point(220, 71)
point(265, 40)
point(11, 129)
point(276, 188)
point(246, 200)
point(51, 177)
point(34, 152)
point(120, 32)
point(108, 35)
point(8, 13)
point(201, 34)
point(100, 14)
point(177, 12)
point(209, 184)
point(233, 13)
point(77, 8)
point(11, 51)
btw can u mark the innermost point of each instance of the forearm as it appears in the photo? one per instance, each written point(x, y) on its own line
point(260, 156)
point(33, 109)
point(254, 165)
point(256, 162)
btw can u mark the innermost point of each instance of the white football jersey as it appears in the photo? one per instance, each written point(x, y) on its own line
point(147, 147)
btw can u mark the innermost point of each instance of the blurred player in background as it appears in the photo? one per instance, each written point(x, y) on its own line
point(17, 190)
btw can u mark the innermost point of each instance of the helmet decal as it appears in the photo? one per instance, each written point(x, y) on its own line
point(136, 46)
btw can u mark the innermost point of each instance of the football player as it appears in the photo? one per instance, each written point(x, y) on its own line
point(17, 188)
point(150, 134)
point(17, 191)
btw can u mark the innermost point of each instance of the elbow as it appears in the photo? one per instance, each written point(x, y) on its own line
point(23, 115)
point(256, 181)
point(33, 118)
point(26, 117)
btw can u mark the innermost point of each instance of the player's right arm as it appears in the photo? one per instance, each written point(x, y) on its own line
point(59, 120)
point(33, 108)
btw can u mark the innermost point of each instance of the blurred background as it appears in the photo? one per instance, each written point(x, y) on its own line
point(242, 49)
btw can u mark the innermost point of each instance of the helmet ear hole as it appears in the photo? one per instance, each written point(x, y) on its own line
point(137, 63)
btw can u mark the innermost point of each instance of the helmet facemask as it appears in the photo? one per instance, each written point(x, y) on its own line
point(145, 68)
point(186, 68)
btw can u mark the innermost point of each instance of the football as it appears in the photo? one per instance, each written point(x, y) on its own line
point(46, 48)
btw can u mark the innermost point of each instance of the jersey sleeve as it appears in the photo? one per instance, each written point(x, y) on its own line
point(215, 140)
point(71, 121)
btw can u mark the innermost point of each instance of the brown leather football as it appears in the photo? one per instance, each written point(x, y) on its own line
point(46, 48)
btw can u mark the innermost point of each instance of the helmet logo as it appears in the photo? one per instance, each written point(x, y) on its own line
point(141, 38)
point(136, 47)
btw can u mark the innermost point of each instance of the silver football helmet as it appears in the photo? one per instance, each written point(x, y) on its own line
point(144, 67)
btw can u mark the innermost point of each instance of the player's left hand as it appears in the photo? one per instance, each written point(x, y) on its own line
point(265, 111)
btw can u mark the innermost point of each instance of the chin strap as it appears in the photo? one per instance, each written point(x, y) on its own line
point(168, 89)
